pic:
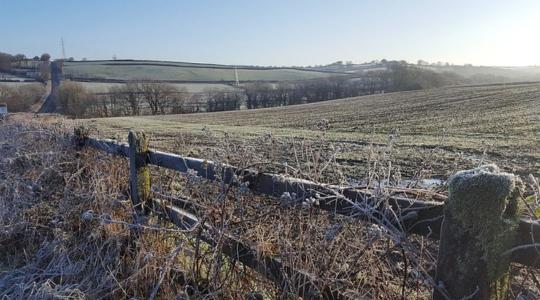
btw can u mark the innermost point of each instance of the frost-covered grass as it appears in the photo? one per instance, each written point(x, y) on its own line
point(16, 84)
point(442, 130)
point(104, 87)
point(67, 228)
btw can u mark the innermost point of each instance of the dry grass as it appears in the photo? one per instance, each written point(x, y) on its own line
point(53, 245)
point(67, 229)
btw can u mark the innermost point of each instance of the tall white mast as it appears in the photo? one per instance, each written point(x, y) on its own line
point(63, 48)
point(237, 83)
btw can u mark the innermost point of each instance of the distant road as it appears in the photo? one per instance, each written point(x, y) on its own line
point(37, 106)
point(51, 103)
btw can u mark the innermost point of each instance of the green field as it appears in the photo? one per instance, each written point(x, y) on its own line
point(103, 87)
point(437, 131)
point(133, 70)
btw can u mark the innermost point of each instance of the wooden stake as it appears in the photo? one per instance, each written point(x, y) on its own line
point(139, 172)
point(80, 137)
point(480, 224)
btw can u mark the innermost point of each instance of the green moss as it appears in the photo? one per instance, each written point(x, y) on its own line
point(141, 144)
point(485, 202)
point(143, 177)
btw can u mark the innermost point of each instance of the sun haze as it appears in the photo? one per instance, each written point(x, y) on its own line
point(502, 33)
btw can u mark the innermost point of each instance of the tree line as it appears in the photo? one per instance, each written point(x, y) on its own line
point(130, 99)
point(143, 97)
point(146, 97)
point(40, 64)
point(397, 76)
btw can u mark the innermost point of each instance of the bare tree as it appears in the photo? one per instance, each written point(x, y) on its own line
point(117, 105)
point(5, 62)
point(22, 97)
point(100, 107)
point(19, 58)
point(73, 98)
point(44, 70)
point(45, 57)
point(128, 96)
point(158, 95)
point(131, 96)
point(179, 100)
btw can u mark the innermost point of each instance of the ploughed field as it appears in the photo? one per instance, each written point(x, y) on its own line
point(427, 133)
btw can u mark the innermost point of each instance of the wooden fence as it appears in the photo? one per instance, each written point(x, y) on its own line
point(410, 216)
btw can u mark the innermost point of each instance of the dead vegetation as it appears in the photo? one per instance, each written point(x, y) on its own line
point(68, 231)
point(21, 97)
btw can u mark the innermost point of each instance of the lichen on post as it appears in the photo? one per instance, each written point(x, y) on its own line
point(138, 169)
point(480, 224)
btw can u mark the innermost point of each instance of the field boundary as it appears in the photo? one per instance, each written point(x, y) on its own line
point(196, 65)
point(408, 215)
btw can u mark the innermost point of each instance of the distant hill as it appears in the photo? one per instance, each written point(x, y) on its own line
point(183, 71)
point(486, 74)
point(475, 74)
point(122, 70)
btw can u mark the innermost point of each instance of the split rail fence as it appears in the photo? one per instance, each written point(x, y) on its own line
point(415, 216)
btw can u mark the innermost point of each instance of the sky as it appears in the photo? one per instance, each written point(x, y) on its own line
point(277, 32)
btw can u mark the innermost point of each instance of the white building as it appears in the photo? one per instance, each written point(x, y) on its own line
point(3, 110)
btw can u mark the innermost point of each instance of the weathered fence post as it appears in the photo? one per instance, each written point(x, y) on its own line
point(480, 224)
point(80, 136)
point(139, 173)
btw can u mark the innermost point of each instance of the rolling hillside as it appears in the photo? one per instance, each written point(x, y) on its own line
point(180, 71)
point(475, 74)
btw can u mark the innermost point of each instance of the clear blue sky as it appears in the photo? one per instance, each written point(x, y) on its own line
point(288, 32)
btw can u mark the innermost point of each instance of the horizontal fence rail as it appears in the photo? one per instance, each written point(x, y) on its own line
point(272, 268)
point(415, 216)
point(181, 212)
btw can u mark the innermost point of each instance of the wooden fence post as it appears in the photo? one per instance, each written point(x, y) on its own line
point(80, 136)
point(139, 173)
point(480, 224)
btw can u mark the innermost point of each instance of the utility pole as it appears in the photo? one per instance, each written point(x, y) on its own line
point(63, 48)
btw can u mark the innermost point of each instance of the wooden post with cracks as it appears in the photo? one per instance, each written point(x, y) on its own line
point(480, 224)
point(139, 172)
